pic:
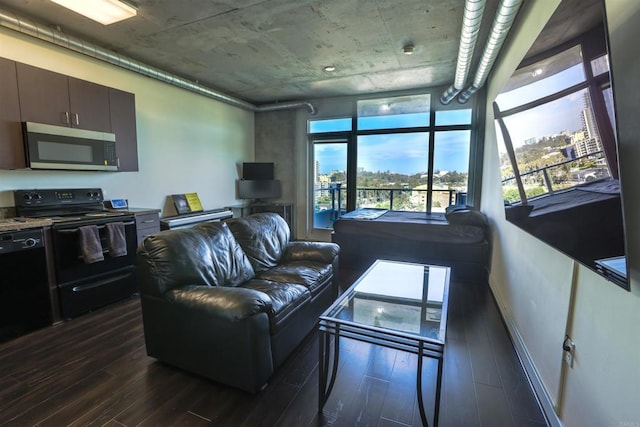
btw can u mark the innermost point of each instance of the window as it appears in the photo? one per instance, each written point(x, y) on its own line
point(542, 79)
point(392, 171)
point(394, 113)
point(401, 156)
point(552, 138)
point(453, 117)
point(600, 65)
point(329, 125)
point(450, 168)
point(330, 180)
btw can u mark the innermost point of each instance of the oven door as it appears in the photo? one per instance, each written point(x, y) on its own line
point(69, 262)
point(86, 286)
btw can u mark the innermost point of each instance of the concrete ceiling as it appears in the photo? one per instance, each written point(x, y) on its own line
point(266, 51)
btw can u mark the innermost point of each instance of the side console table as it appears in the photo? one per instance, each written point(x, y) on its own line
point(285, 210)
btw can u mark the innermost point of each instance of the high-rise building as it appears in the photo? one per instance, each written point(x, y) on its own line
point(589, 126)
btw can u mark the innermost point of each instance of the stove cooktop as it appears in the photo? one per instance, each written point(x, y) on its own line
point(62, 204)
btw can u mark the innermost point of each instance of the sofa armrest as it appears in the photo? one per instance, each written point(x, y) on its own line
point(311, 251)
point(227, 303)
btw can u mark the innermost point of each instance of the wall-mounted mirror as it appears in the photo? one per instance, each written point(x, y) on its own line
point(555, 122)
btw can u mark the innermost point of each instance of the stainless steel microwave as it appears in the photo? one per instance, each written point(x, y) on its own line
point(65, 148)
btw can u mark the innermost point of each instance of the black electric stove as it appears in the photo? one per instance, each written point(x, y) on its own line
point(84, 283)
point(63, 205)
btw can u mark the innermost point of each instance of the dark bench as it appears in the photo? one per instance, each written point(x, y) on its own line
point(460, 242)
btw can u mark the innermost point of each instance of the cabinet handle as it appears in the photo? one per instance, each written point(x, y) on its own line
point(149, 221)
point(66, 118)
point(77, 119)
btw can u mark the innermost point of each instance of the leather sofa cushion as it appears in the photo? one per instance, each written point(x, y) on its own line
point(206, 254)
point(263, 237)
point(323, 252)
point(309, 274)
point(286, 299)
point(232, 304)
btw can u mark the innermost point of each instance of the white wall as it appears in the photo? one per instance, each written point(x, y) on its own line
point(186, 142)
point(533, 283)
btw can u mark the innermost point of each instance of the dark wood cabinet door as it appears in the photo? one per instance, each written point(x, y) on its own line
point(123, 124)
point(89, 105)
point(44, 95)
point(11, 146)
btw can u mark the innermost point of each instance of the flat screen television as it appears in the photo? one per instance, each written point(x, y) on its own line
point(257, 171)
point(258, 190)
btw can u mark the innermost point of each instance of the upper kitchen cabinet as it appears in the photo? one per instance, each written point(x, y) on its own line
point(123, 125)
point(55, 99)
point(89, 105)
point(11, 147)
point(31, 94)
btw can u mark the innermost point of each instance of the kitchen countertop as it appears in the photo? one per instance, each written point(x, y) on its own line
point(13, 224)
point(19, 223)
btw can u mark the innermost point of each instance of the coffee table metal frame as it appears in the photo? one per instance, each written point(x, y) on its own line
point(410, 342)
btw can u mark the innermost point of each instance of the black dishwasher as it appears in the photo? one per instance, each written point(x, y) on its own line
point(24, 293)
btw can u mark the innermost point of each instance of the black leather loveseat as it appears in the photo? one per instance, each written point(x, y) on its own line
point(231, 300)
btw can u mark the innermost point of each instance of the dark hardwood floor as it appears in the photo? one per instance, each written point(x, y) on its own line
point(93, 370)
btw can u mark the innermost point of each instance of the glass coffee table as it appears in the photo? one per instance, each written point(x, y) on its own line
point(393, 304)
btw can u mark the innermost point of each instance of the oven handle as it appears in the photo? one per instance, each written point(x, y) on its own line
point(100, 283)
point(74, 230)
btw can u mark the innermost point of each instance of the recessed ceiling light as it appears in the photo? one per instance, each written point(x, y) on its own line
point(408, 49)
point(103, 11)
point(329, 68)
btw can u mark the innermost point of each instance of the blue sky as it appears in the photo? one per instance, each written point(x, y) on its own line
point(550, 118)
point(402, 153)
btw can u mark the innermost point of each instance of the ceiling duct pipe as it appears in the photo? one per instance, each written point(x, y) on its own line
point(287, 106)
point(471, 20)
point(506, 14)
point(26, 26)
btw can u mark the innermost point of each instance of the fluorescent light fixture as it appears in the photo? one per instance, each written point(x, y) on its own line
point(103, 11)
point(329, 68)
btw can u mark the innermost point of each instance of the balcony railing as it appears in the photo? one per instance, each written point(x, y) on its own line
point(544, 181)
point(330, 202)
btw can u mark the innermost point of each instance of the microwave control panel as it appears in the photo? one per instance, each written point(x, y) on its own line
point(110, 157)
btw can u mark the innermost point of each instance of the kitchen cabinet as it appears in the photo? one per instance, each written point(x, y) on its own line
point(123, 125)
point(37, 95)
point(89, 105)
point(55, 99)
point(11, 147)
point(147, 223)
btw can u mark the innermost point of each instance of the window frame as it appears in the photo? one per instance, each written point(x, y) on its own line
point(594, 86)
point(476, 145)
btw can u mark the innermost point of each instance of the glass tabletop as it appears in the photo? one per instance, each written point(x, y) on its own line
point(403, 297)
